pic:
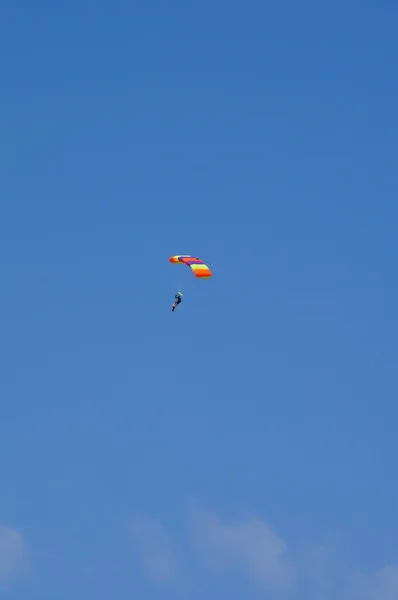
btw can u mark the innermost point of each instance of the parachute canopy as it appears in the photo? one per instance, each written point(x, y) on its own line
point(198, 266)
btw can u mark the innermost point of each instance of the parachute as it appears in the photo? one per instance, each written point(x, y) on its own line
point(198, 266)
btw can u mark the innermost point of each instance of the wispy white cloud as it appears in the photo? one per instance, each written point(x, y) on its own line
point(155, 548)
point(250, 546)
point(12, 553)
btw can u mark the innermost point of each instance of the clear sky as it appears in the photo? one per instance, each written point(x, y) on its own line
point(246, 445)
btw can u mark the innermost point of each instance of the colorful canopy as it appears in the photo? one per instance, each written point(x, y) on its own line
point(198, 266)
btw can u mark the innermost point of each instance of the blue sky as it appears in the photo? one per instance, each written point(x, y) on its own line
point(244, 446)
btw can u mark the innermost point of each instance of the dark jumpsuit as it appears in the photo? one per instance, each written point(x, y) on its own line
point(177, 302)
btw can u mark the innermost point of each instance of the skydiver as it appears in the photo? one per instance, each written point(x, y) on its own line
point(178, 299)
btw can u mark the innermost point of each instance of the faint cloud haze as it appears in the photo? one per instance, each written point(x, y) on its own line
point(381, 585)
point(12, 552)
point(154, 547)
point(250, 546)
